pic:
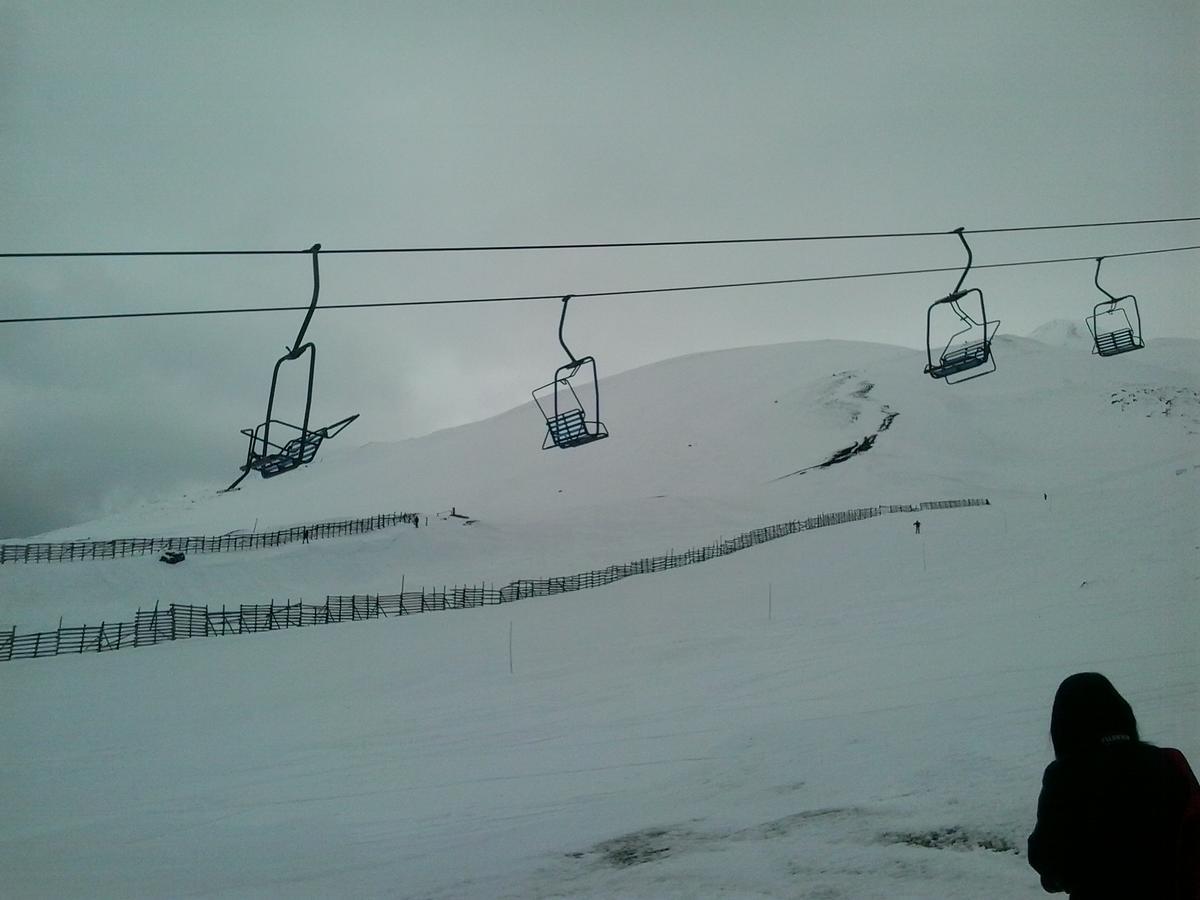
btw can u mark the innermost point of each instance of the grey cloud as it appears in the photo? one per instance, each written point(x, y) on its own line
point(157, 126)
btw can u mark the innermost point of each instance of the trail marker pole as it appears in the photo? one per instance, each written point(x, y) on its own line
point(769, 601)
point(924, 561)
point(510, 661)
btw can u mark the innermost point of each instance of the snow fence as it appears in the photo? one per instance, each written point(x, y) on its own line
point(68, 551)
point(180, 621)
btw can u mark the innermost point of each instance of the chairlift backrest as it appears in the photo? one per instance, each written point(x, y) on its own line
point(295, 353)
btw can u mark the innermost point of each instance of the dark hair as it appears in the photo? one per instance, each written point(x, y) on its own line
point(1088, 714)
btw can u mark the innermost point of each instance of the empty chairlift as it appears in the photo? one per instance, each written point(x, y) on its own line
point(1113, 331)
point(967, 349)
point(270, 457)
point(570, 422)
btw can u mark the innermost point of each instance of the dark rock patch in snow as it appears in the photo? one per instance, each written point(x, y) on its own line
point(953, 838)
point(635, 848)
point(650, 844)
point(1170, 402)
point(854, 449)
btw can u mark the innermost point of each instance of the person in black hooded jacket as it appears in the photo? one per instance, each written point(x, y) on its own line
point(1117, 817)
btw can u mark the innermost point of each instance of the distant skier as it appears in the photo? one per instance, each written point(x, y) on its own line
point(917, 527)
point(1045, 496)
point(417, 522)
point(305, 535)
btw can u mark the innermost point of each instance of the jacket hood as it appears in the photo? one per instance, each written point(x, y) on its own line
point(1089, 714)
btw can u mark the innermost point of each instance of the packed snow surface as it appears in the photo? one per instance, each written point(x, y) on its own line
point(852, 712)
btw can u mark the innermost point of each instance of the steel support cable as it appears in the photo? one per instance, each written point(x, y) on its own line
point(559, 296)
point(598, 245)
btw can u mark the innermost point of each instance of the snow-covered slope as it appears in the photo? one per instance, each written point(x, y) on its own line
point(723, 425)
point(702, 446)
point(1064, 333)
point(876, 728)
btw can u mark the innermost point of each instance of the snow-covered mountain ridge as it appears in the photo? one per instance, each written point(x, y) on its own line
point(702, 446)
point(717, 424)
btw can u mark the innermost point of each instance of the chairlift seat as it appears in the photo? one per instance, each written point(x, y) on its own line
point(294, 454)
point(960, 359)
point(275, 464)
point(569, 429)
point(1113, 342)
point(303, 450)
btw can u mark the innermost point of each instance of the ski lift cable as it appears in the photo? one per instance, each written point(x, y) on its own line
point(591, 294)
point(595, 245)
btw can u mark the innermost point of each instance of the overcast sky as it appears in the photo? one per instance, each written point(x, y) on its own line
point(170, 125)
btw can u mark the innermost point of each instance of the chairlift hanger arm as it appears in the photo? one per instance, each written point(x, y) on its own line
point(296, 348)
point(959, 231)
point(562, 319)
point(1111, 298)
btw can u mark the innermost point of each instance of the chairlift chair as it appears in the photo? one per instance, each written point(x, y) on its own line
point(569, 421)
point(1113, 331)
point(969, 348)
point(267, 457)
